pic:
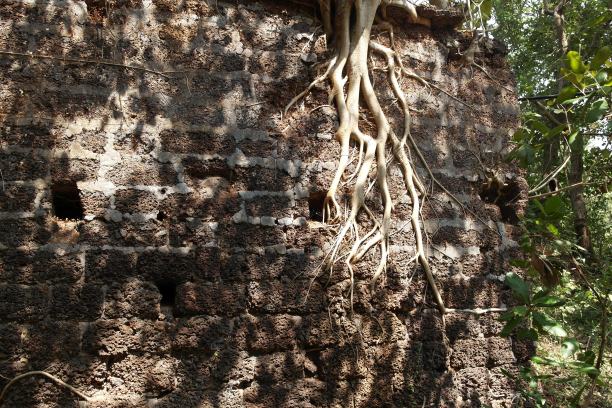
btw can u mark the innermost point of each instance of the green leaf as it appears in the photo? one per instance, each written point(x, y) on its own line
point(510, 326)
point(548, 325)
point(520, 134)
point(566, 93)
point(520, 310)
point(540, 206)
point(549, 301)
point(571, 101)
point(539, 126)
point(540, 360)
point(519, 263)
point(525, 153)
point(519, 287)
point(598, 109)
point(589, 370)
point(553, 230)
point(574, 62)
point(587, 357)
point(556, 131)
point(601, 56)
point(601, 77)
point(506, 373)
point(527, 334)
point(485, 9)
point(572, 138)
point(532, 115)
point(556, 330)
point(569, 347)
point(599, 21)
point(553, 205)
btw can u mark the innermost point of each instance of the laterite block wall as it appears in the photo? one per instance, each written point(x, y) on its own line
point(159, 243)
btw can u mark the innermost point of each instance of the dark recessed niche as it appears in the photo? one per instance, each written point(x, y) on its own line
point(316, 201)
point(167, 290)
point(504, 197)
point(161, 216)
point(66, 201)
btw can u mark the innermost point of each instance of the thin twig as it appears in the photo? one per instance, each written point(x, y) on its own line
point(546, 179)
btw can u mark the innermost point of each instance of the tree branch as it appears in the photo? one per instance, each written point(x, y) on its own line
point(550, 193)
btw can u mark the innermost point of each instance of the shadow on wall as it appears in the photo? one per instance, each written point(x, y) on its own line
point(123, 268)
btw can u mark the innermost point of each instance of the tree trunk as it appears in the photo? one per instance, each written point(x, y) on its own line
point(576, 172)
point(577, 195)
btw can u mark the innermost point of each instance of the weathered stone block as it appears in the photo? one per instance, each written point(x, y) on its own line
point(83, 302)
point(135, 201)
point(246, 235)
point(205, 334)
point(201, 142)
point(23, 303)
point(500, 352)
point(266, 334)
point(50, 267)
point(469, 353)
point(471, 293)
point(210, 299)
point(23, 166)
point(17, 198)
point(212, 199)
point(157, 266)
point(120, 336)
point(132, 171)
point(132, 298)
point(109, 266)
point(74, 169)
point(262, 179)
point(297, 296)
point(19, 232)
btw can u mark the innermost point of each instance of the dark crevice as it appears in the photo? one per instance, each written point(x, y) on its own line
point(504, 197)
point(111, 360)
point(66, 201)
point(167, 290)
point(316, 202)
point(163, 393)
point(315, 357)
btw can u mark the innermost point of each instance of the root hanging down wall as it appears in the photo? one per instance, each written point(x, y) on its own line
point(161, 234)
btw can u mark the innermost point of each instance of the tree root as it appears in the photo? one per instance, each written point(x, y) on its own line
point(85, 61)
point(348, 69)
point(44, 374)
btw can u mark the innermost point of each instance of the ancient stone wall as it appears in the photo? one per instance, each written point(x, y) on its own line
point(159, 234)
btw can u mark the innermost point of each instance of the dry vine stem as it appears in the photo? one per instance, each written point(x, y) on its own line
point(350, 27)
point(43, 374)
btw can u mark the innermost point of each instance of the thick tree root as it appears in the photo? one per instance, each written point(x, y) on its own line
point(348, 69)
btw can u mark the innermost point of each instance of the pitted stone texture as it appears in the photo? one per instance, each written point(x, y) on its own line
point(197, 275)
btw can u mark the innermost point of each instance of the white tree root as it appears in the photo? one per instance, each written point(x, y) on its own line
point(350, 27)
point(48, 376)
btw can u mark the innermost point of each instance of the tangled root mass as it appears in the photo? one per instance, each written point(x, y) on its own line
point(349, 24)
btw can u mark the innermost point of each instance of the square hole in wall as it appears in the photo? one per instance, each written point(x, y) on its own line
point(66, 201)
point(167, 290)
point(316, 201)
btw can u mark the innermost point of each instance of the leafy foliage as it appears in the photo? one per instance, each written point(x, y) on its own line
point(561, 56)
